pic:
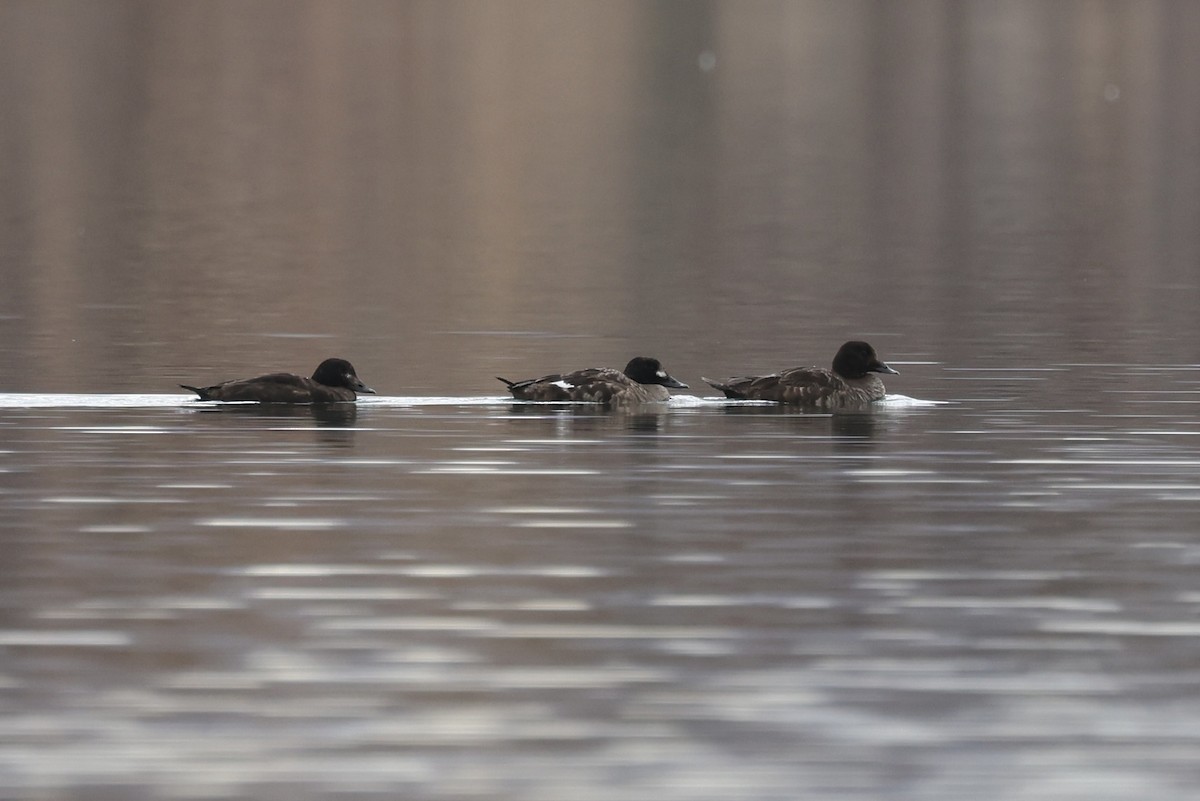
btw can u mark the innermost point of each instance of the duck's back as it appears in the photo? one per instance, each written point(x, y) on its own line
point(275, 388)
point(602, 385)
point(805, 386)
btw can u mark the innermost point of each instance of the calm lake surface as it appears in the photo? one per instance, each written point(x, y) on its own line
point(988, 587)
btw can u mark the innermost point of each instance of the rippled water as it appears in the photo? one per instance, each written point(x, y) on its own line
point(459, 597)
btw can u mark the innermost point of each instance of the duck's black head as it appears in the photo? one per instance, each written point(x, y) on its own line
point(339, 373)
point(856, 359)
point(645, 370)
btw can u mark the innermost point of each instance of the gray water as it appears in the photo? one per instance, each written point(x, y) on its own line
point(985, 587)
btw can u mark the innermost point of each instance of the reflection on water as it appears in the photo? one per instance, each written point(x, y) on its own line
point(438, 593)
point(587, 417)
point(328, 415)
point(554, 601)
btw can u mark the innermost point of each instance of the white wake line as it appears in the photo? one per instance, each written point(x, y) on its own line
point(41, 400)
point(30, 400)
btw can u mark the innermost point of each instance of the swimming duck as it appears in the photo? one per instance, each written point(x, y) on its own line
point(334, 381)
point(643, 381)
point(851, 382)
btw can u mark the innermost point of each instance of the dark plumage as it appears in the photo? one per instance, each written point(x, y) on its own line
point(334, 381)
point(643, 381)
point(851, 382)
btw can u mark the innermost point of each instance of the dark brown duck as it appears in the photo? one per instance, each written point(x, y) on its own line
point(334, 381)
point(643, 381)
point(851, 382)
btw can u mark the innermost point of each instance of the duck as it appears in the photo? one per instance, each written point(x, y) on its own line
point(851, 382)
point(334, 381)
point(642, 381)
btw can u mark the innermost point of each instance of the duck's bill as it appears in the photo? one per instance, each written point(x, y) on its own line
point(880, 367)
point(361, 387)
point(673, 383)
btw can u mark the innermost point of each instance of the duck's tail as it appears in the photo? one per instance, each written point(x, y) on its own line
point(509, 384)
point(725, 387)
point(198, 390)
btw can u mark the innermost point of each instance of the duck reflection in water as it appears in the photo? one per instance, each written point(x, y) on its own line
point(849, 427)
point(334, 421)
point(855, 428)
point(580, 417)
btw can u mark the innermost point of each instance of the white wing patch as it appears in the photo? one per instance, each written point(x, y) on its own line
point(563, 384)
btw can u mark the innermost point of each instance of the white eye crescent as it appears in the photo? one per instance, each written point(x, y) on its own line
point(661, 374)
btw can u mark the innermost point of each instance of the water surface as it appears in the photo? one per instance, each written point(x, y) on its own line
point(710, 600)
